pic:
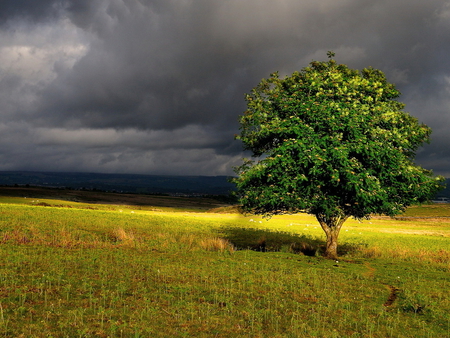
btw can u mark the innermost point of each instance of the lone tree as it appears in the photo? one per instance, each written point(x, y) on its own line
point(333, 142)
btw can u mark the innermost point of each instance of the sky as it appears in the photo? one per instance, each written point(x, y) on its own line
point(157, 86)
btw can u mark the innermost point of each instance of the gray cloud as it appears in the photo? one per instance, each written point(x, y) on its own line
point(34, 11)
point(157, 86)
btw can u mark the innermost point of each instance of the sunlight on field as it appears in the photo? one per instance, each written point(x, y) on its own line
point(104, 270)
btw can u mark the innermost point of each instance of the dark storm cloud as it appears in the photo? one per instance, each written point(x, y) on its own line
point(151, 83)
point(163, 65)
point(153, 70)
point(28, 10)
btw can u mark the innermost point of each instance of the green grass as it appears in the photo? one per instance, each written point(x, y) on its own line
point(102, 200)
point(126, 271)
point(430, 210)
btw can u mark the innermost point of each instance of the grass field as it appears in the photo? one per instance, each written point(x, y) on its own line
point(125, 269)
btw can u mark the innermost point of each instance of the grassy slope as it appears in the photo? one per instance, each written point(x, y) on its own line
point(32, 196)
point(95, 270)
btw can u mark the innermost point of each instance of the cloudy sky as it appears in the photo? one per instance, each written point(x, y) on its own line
point(156, 86)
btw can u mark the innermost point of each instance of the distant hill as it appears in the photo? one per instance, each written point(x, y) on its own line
point(446, 191)
point(129, 183)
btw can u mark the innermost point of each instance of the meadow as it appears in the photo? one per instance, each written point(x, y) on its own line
point(84, 269)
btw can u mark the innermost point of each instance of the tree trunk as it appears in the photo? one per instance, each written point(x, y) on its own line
point(332, 243)
point(331, 226)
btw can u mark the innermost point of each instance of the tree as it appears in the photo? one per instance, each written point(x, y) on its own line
point(333, 142)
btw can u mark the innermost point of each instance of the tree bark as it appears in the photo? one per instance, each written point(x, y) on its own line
point(331, 226)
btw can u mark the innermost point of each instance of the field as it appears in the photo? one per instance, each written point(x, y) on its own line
point(127, 266)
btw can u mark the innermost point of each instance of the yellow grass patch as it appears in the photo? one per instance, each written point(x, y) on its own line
point(216, 244)
point(121, 235)
point(416, 232)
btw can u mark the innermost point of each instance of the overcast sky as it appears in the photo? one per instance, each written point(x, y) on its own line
point(156, 86)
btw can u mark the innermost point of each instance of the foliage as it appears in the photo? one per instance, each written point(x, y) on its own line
point(333, 142)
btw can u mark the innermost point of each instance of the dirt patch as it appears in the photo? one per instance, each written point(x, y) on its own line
point(392, 296)
point(370, 273)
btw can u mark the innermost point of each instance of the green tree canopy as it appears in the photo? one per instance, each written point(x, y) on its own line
point(333, 142)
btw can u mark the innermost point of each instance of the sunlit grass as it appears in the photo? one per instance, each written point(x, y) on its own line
point(129, 272)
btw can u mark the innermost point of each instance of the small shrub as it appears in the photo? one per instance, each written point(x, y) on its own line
point(120, 235)
point(216, 244)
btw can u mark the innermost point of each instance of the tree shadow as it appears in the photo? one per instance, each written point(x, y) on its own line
point(264, 240)
point(270, 241)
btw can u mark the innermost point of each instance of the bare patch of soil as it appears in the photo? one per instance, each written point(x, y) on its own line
point(392, 296)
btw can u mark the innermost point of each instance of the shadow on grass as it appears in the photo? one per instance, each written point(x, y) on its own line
point(277, 241)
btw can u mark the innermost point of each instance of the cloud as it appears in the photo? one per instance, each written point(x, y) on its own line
point(158, 82)
point(114, 151)
point(193, 137)
point(34, 11)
